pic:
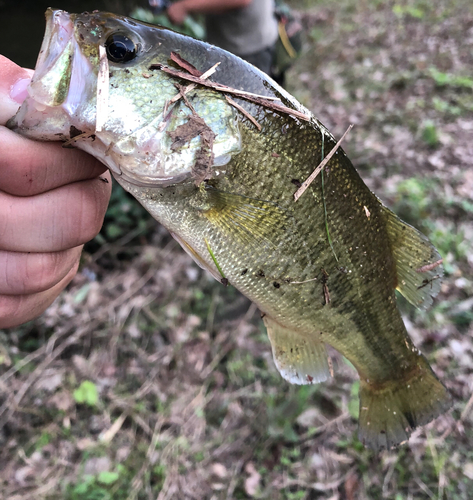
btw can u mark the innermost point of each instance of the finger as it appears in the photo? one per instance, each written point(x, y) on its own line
point(15, 310)
point(13, 83)
point(28, 273)
point(29, 167)
point(57, 220)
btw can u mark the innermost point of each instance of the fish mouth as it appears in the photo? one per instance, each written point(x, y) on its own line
point(56, 87)
point(69, 92)
point(50, 83)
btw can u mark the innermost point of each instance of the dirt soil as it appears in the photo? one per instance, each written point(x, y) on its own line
point(147, 379)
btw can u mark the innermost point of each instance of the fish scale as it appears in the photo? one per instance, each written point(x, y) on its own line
point(323, 270)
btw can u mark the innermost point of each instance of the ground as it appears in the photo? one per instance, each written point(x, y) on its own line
point(148, 379)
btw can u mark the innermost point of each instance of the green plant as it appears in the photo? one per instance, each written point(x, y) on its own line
point(105, 485)
point(123, 215)
point(107, 477)
point(413, 200)
point(88, 489)
point(86, 393)
point(429, 133)
point(409, 10)
point(443, 106)
point(354, 403)
point(443, 79)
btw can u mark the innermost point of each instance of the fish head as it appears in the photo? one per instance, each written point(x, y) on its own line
point(95, 88)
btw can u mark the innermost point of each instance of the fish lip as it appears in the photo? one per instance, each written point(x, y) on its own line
point(59, 32)
point(151, 182)
point(54, 92)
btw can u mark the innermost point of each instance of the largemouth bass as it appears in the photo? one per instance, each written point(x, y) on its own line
point(217, 158)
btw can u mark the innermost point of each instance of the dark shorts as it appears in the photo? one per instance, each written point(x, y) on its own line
point(262, 59)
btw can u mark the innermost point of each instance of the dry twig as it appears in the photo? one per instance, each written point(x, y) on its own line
point(429, 267)
point(322, 164)
point(180, 61)
point(13, 401)
point(192, 86)
point(243, 111)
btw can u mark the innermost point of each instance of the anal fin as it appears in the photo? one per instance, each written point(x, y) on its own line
point(299, 359)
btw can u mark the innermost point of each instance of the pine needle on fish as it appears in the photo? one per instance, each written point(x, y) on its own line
point(192, 86)
point(243, 111)
point(219, 269)
point(322, 164)
point(102, 90)
point(180, 61)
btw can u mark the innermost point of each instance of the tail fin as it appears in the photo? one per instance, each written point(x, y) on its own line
point(389, 412)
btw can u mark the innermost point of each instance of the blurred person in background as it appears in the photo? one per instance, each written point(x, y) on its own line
point(247, 28)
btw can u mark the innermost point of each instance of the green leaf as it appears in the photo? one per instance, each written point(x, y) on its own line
point(114, 231)
point(107, 477)
point(81, 488)
point(81, 293)
point(429, 134)
point(87, 393)
point(401, 10)
point(443, 79)
point(354, 403)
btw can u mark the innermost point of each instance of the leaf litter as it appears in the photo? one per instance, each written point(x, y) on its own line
point(192, 406)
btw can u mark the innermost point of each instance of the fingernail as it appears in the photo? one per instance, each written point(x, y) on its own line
point(18, 91)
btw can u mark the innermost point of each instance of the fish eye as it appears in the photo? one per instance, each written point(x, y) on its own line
point(120, 48)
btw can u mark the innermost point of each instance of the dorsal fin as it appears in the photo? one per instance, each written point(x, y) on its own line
point(418, 263)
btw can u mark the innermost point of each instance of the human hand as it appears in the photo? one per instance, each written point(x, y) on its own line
point(52, 200)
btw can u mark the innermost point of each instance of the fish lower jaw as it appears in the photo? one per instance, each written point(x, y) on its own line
point(123, 165)
point(31, 118)
point(101, 150)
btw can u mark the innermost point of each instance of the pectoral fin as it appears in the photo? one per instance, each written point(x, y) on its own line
point(418, 263)
point(252, 222)
point(299, 359)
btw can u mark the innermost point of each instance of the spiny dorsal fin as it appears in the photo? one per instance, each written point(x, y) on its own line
point(300, 360)
point(418, 263)
point(250, 221)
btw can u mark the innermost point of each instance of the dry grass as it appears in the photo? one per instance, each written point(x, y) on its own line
point(188, 404)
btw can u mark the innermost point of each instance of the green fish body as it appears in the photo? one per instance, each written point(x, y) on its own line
point(322, 269)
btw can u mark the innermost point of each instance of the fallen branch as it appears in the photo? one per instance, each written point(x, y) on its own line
point(322, 164)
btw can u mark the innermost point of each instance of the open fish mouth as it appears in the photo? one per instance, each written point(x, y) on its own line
point(58, 85)
point(84, 94)
point(50, 84)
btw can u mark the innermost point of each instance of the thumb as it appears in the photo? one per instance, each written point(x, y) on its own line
point(13, 83)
